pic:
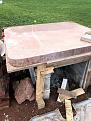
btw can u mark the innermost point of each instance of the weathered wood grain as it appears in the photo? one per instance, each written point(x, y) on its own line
point(67, 95)
point(69, 112)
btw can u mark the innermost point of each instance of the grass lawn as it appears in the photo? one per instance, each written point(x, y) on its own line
point(20, 12)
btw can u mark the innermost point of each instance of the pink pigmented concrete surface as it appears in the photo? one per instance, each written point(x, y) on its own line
point(33, 44)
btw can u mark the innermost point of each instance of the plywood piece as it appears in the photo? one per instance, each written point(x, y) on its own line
point(49, 42)
point(69, 112)
point(73, 94)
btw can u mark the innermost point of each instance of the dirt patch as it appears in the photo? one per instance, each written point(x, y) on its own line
point(27, 110)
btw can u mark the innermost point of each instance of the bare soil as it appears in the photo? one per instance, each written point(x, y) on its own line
point(27, 110)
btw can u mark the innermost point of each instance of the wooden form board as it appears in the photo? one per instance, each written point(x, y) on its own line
point(69, 94)
point(69, 112)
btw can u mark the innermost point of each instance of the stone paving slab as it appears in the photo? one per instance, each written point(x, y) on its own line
point(34, 44)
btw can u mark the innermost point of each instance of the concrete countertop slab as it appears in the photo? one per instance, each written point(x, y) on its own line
point(34, 44)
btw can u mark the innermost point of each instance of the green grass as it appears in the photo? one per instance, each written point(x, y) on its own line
point(21, 12)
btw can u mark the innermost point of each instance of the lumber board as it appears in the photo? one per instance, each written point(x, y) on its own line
point(48, 70)
point(41, 72)
point(75, 93)
point(66, 93)
point(69, 112)
point(40, 86)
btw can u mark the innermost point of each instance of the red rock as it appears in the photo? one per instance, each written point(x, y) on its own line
point(24, 91)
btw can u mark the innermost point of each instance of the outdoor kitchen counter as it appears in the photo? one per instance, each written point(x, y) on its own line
point(32, 45)
point(46, 46)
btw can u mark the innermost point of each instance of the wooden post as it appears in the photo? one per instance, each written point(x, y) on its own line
point(41, 72)
point(40, 86)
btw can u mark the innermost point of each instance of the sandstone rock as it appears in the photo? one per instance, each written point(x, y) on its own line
point(24, 91)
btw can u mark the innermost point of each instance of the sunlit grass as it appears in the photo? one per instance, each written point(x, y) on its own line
point(21, 12)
